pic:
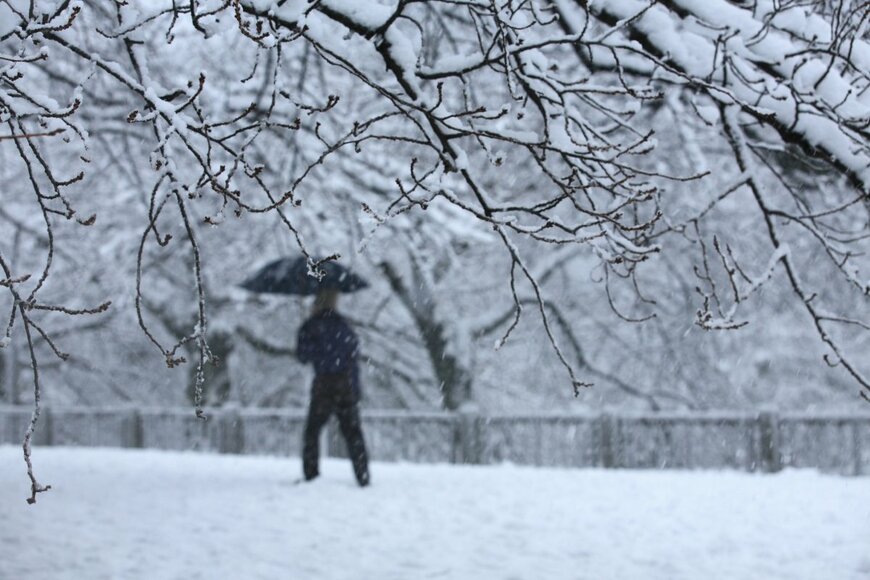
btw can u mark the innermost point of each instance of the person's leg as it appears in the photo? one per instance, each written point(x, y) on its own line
point(351, 429)
point(318, 413)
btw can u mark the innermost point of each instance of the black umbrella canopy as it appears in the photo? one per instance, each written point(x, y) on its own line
point(290, 276)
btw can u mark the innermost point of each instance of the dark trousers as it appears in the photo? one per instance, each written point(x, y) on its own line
point(334, 394)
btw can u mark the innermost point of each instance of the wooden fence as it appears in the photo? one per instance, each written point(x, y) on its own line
point(750, 442)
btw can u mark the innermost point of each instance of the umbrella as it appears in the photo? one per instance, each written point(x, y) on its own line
point(290, 276)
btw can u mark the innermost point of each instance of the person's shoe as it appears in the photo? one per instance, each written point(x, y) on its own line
point(363, 480)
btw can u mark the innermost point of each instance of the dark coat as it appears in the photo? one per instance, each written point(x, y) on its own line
point(327, 341)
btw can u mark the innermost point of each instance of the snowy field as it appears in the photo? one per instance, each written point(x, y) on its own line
point(156, 515)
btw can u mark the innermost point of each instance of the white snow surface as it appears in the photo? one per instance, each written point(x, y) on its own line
point(161, 515)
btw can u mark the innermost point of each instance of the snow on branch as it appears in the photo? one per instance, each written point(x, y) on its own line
point(785, 80)
point(782, 64)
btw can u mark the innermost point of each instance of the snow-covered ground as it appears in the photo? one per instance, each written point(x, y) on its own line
point(156, 515)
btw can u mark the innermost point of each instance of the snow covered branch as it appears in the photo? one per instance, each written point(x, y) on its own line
point(788, 66)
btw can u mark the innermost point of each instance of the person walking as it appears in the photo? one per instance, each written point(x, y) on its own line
point(327, 341)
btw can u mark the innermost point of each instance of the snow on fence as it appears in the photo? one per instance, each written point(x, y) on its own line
point(744, 441)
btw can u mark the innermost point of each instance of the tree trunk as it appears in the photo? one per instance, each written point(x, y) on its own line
point(454, 380)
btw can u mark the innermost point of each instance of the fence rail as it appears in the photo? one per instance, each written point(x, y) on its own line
point(751, 442)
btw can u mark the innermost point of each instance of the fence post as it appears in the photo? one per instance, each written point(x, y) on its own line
point(856, 448)
point(605, 433)
point(46, 419)
point(230, 434)
point(468, 433)
point(769, 442)
point(5, 436)
point(132, 435)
